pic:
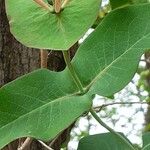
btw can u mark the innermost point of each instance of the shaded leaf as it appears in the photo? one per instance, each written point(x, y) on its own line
point(119, 3)
point(39, 105)
point(37, 27)
point(113, 51)
point(105, 141)
point(140, 1)
point(146, 141)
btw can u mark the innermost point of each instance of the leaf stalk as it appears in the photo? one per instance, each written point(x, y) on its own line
point(72, 71)
point(93, 113)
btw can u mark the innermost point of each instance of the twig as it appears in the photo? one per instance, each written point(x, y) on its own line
point(46, 146)
point(44, 56)
point(119, 103)
point(25, 144)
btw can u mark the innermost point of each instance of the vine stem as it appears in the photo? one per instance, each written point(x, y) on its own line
point(72, 71)
point(93, 113)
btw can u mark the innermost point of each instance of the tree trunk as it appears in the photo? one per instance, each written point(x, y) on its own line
point(17, 60)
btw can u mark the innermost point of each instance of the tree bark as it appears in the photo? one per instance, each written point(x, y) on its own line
point(15, 59)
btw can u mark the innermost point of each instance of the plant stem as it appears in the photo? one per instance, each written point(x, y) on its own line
point(111, 130)
point(44, 56)
point(72, 71)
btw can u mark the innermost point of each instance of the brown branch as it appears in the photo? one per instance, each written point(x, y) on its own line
point(46, 146)
point(44, 56)
point(26, 143)
point(119, 103)
point(10, 147)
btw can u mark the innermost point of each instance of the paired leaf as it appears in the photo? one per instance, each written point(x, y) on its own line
point(40, 105)
point(113, 51)
point(47, 102)
point(37, 27)
point(105, 141)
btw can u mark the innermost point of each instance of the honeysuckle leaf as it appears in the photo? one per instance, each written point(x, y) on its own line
point(37, 27)
point(109, 57)
point(39, 105)
point(104, 141)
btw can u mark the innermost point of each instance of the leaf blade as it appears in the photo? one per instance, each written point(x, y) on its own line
point(36, 27)
point(43, 108)
point(105, 141)
point(112, 52)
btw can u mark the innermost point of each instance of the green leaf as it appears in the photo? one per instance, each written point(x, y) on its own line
point(113, 51)
point(40, 105)
point(105, 141)
point(119, 3)
point(37, 27)
point(147, 147)
point(146, 141)
point(140, 1)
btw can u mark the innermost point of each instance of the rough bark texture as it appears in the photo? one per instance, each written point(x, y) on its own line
point(16, 60)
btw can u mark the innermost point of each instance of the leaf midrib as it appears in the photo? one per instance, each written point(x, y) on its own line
point(57, 99)
point(107, 68)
